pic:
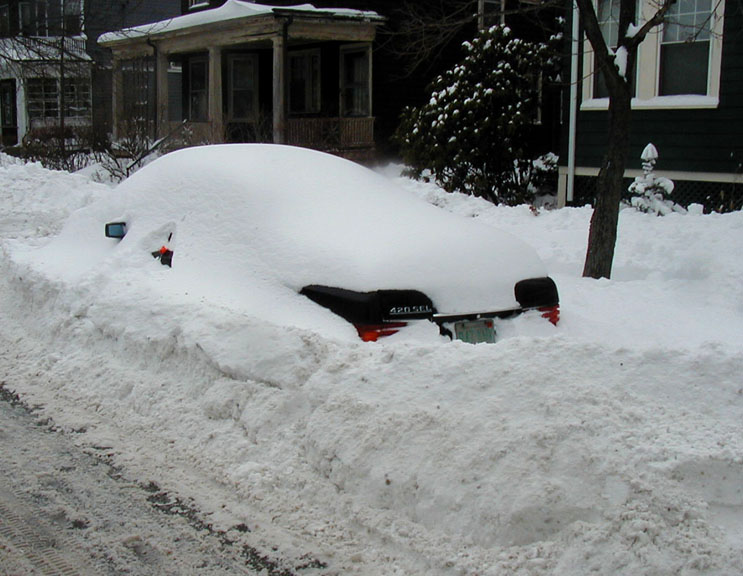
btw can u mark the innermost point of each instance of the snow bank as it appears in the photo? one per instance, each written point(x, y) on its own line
point(611, 444)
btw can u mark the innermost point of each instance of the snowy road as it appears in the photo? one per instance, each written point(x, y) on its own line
point(65, 510)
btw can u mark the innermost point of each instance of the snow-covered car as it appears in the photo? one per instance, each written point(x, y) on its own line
point(275, 231)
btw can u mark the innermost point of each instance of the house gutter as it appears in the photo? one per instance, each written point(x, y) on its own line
point(152, 45)
point(572, 128)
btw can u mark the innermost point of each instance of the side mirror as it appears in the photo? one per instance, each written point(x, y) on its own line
point(116, 230)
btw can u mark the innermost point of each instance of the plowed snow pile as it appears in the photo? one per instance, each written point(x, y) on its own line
point(611, 444)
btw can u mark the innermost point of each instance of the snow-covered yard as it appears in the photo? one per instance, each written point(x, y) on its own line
point(612, 444)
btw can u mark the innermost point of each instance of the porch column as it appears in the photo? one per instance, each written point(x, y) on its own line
point(117, 97)
point(215, 94)
point(279, 86)
point(161, 113)
point(370, 82)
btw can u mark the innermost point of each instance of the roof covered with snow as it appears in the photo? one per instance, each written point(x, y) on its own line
point(233, 10)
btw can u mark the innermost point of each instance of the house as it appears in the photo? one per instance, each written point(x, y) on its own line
point(688, 102)
point(392, 90)
point(251, 72)
point(52, 72)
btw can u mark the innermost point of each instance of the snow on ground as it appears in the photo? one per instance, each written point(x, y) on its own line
point(612, 444)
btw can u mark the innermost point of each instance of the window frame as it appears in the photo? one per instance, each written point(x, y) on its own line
point(5, 20)
point(193, 61)
point(74, 14)
point(345, 51)
point(312, 90)
point(44, 103)
point(231, 59)
point(8, 104)
point(647, 95)
point(81, 97)
point(682, 31)
point(49, 104)
point(26, 28)
point(41, 12)
point(612, 24)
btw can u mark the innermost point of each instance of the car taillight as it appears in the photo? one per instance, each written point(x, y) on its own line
point(552, 313)
point(372, 332)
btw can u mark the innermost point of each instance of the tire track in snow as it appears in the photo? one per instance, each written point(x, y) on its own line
point(51, 554)
point(66, 512)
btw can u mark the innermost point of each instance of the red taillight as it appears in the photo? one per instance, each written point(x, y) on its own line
point(552, 313)
point(372, 332)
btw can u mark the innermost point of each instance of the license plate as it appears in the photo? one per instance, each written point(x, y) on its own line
point(475, 331)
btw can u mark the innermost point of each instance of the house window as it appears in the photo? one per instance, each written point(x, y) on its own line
point(72, 17)
point(8, 104)
point(198, 95)
point(684, 50)
point(26, 20)
point(33, 18)
point(42, 98)
point(355, 82)
point(304, 82)
point(77, 97)
point(608, 17)
point(4, 20)
point(243, 87)
point(684, 57)
point(42, 22)
point(138, 98)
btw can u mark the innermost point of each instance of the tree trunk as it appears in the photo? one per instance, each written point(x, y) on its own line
point(603, 232)
point(62, 98)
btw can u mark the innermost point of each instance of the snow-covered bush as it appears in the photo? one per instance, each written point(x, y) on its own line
point(543, 178)
point(472, 133)
point(650, 192)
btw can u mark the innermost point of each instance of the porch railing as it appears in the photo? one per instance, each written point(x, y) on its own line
point(351, 137)
point(331, 133)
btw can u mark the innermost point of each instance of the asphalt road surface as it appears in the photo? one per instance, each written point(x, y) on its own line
point(64, 510)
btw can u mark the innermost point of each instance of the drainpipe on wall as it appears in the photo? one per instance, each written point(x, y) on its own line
point(280, 108)
point(155, 55)
point(572, 128)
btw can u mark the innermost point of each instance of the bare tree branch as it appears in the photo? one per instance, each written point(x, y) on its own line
point(429, 27)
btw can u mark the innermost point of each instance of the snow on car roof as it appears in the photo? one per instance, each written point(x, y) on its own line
point(251, 224)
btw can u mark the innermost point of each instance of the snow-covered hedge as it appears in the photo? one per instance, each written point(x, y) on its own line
point(471, 134)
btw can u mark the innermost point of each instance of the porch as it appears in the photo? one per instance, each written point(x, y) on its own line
point(254, 73)
point(331, 134)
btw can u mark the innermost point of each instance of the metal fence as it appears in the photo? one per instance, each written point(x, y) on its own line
point(714, 196)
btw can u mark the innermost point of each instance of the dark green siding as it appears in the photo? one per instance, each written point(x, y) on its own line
point(687, 140)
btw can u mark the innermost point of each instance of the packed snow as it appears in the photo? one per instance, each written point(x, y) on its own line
point(610, 444)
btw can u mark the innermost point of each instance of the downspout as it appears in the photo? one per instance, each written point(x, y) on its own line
point(572, 128)
point(155, 124)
